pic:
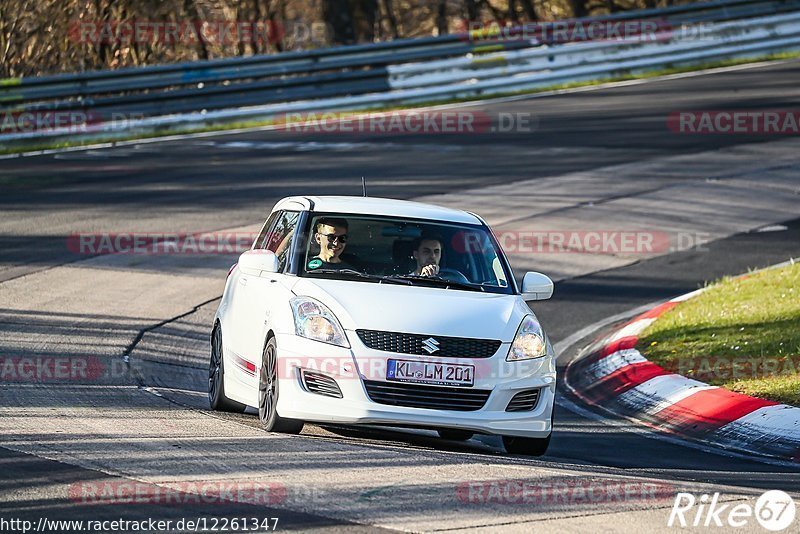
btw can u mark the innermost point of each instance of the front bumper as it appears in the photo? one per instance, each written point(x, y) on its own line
point(350, 366)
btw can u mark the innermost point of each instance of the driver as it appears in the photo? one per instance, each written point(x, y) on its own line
point(427, 253)
point(331, 236)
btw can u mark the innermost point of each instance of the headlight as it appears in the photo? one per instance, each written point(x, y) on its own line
point(314, 320)
point(529, 342)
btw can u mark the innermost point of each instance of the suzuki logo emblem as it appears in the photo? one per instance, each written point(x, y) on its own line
point(430, 345)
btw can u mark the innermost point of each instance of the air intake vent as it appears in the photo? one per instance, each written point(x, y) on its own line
point(524, 401)
point(433, 397)
point(321, 384)
point(445, 347)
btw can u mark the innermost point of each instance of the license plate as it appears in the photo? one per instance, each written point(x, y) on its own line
point(441, 374)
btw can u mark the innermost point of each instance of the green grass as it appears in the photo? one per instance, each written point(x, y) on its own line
point(741, 333)
point(66, 143)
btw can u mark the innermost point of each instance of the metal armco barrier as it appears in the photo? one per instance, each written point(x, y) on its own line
point(481, 62)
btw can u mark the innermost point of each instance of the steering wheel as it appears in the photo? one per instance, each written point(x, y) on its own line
point(453, 275)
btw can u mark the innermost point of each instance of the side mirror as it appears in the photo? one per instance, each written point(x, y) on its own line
point(537, 286)
point(258, 262)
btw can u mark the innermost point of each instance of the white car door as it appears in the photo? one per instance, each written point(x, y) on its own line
point(255, 297)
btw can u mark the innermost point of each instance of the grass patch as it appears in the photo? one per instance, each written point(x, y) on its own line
point(741, 333)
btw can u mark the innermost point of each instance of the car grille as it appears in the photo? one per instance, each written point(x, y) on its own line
point(321, 384)
point(524, 401)
point(433, 397)
point(449, 347)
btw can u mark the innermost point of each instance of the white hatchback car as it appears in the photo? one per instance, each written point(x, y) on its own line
point(356, 310)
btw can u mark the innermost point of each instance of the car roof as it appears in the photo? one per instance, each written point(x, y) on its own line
point(376, 206)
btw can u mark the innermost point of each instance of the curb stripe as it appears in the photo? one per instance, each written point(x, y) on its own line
point(776, 416)
point(708, 410)
point(607, 365)
point(660, 392)
point(617, 375)
point(657, 311)
point(624, 379)
point(619, 345)
point(772, 430)
point(633, 328)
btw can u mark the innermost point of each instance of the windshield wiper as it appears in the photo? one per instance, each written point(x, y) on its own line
point(440, 281)
point(366, 276)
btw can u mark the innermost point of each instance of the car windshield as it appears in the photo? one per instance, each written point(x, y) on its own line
point(396, 250)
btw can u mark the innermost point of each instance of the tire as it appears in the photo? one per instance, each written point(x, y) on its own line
point(216, 377)
point(454, 434)
point(530, 446)
point(526, 446)
point(268, 394)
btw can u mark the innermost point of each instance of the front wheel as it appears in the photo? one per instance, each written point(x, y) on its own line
point(526, 446)
point(216, 377)
point(268, 394)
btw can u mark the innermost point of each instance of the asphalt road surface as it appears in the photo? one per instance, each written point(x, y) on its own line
point(596, 159)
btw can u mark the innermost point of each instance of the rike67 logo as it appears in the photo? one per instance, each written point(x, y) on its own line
point(774, 510)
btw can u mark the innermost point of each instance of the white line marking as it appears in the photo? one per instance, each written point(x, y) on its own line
point(772, 228)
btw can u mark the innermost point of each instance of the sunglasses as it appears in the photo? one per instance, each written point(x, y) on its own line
point(333, 238)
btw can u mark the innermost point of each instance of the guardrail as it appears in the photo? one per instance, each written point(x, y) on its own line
point(624, 55)
point(404, 71)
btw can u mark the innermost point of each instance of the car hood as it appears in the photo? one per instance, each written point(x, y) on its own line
point(417, 309)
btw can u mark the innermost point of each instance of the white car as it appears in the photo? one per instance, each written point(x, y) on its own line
point(357, 310)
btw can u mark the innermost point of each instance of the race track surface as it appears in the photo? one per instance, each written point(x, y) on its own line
point(599, 159)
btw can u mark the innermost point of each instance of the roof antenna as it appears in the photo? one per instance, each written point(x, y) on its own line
point(364, 186)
